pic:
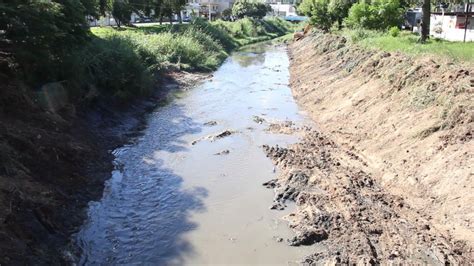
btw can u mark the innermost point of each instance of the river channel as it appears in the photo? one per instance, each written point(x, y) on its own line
point(180, 197)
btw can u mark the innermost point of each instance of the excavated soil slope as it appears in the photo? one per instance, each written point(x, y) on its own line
point(387, 176)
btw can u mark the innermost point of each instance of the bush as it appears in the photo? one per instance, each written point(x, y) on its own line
point(115, 66)
point(323, 13)
point(379, 15)
point(40, 34)
point(320, 16)
point(394, 31)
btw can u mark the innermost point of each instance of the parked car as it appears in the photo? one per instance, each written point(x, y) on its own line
point(143, 20)
point(412, 18)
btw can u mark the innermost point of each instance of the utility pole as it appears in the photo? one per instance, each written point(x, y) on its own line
point(210, 19)
point(466, 22)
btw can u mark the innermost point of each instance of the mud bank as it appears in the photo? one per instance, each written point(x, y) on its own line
point(387, 176)
point(53, 164)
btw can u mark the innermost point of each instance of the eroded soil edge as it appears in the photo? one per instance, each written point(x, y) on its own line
point(53, 163)
point(387, 176)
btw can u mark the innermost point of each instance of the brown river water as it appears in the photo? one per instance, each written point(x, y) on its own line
point(169, 202)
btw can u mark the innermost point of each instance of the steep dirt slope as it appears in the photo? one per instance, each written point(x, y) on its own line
point(53, 163)
point(388, 174)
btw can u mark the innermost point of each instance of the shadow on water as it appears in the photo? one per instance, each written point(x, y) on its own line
point(145, 209)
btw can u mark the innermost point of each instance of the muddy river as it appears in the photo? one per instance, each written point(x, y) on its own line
point(178, 196)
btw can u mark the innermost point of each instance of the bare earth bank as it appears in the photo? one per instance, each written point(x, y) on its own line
point(387, 176)
point(53, 163)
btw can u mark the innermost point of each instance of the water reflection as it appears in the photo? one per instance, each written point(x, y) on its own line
point(250, 55)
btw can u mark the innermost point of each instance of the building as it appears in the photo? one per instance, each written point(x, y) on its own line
point(453, 23)
point(203, 8)
point(283, 8)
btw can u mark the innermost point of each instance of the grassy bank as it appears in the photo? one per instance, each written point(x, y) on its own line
point(407, 42)
point(123, 62)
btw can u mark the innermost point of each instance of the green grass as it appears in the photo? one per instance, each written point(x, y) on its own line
point(407, 42)
point(248, 31)
point(123, 62)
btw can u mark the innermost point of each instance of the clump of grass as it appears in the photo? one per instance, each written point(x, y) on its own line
point(114, 65)
point(422, 97)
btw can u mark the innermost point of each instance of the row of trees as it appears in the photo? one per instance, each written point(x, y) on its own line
point(374, 14)
point(250, 8)
point(122, 10)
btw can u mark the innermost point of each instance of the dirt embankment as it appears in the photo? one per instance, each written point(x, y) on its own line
point(387, 176)
point(53, 163)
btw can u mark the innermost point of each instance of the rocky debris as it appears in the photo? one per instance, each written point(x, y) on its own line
point(210, 123)
point(287, 127)
point(223, 134)
point(341, 204)
point(287, 190)
point(224, 152)
point(214, 137)
point(258, 119)
point(308, 237)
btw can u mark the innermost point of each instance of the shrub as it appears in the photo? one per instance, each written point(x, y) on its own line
point(394, 31)
point(115, 66)
point(379, 15)
point(323, 13)
point(320, 16)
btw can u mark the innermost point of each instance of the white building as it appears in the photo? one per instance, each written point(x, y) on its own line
point(202, 7)
point(454, 23)
point(283, 8)
point(452, 26)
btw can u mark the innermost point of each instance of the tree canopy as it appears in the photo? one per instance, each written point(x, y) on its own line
point(248, 8)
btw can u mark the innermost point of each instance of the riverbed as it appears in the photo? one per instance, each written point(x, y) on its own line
point(188, 189)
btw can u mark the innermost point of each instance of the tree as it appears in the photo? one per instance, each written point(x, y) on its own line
point(379, 15)
point(177, 6)
point(306, 7)
point(121, 11)
point(39, 34)
point(339, 9)
point(425, 20)
point(247, 8)
point(241, 8)
point(227, 14)
point(320, 16)
point(259, 10)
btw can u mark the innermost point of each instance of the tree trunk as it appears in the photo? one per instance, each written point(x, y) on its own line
point(161, 19)
point(170, 15)
point(180, 18)
point(425, 21)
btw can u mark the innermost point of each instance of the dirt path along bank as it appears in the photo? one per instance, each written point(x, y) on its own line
point(387, 177)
